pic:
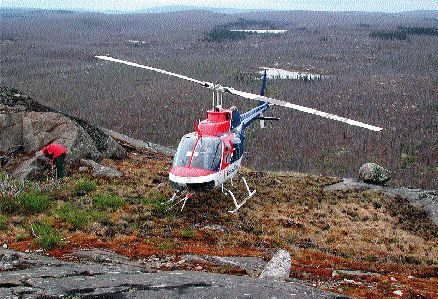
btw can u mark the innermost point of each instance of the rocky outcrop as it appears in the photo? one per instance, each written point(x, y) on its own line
point(27, 124)
point(374, 174)
point(106, 275)
point(425, 199)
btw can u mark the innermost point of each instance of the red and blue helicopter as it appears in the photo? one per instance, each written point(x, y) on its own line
point(212, 155)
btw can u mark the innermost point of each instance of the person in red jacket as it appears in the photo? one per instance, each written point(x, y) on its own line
point(56, 153)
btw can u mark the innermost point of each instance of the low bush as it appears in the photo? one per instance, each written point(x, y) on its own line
point(108, 201)
point(33, 202)
point(188, 233)
point(71, 214)
point(85, 185)
point(3, 222)
point(8, 204)
point(47, 237)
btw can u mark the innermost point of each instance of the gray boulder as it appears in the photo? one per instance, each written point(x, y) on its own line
point(42, 128)
point(101, 171)
point(25, 123)
point(32, 169)
point(11, 127)
point(278, 267)
point(374, 174)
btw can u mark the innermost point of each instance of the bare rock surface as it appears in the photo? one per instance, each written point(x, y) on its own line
point(425, 199)
point(252, 266)
point(31, 275)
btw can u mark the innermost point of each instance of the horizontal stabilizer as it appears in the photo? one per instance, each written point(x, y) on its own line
point(267, 118)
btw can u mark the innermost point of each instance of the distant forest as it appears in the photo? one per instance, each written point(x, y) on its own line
point(377, 68)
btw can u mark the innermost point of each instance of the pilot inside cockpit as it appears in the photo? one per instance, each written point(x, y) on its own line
point(235, 117)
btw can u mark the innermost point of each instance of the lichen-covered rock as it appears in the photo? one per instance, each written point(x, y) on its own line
point(374, 174)
point(42, 128)
point(25, 123)
point(278, 267)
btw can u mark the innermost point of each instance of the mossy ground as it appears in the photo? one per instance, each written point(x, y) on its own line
point(323, 231)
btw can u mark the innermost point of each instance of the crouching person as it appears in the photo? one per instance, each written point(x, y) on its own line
point(56, 153)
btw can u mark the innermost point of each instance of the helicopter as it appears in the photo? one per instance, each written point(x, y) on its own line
point(212, 155)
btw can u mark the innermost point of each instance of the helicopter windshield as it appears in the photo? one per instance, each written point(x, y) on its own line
point(207, 154)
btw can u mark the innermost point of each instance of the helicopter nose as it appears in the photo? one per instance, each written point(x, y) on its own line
point(194, 179)
point(190, 172)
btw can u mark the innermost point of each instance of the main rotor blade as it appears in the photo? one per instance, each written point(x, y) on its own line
point(250, 96)
point(301, 108)
point(203, 83)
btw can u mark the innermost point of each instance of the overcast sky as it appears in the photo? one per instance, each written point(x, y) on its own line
point(330, 5)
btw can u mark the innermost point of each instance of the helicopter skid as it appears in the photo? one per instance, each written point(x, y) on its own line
point(187, 195)
point(239, 205)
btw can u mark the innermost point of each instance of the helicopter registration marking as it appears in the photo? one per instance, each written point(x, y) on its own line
point(232, 170)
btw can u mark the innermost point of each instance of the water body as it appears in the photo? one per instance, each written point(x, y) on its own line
point(274, 73)
point(260, 31)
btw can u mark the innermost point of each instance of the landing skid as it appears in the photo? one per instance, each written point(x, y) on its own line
point(238, 205)
point(176, 200)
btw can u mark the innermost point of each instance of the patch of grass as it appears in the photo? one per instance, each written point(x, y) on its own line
point(108, 201)
point(3, 222)
point(74, 216)
point(165, 246)
point(188, 233)
point(84, 185)
point(33, 202)
point(157, 201)
point(47, 237)
point(21, 237)
point(3, 175)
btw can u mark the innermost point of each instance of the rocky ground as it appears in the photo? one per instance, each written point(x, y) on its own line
point(109, 227)
point(102, 274)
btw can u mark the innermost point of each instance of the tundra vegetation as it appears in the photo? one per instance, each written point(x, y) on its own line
point(372, 76)
point(333, 236)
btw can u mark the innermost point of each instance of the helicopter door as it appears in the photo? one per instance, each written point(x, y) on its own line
point(237, 149)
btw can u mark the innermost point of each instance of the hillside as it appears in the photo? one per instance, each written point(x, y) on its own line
point(379, 69)
point(358, 243)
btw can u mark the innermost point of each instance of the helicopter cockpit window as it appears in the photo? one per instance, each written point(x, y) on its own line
point(184, 151)
point(207, 154)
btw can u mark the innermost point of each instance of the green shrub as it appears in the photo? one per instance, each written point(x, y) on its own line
point(74, 216)
point(3, 222)
point(47, 237)
point(165, 246)
point(188, 233)
point(108, 201)
point(33, 202)
point(157, 201)
point(21, 237)
point(85, 185)
point(8, 204)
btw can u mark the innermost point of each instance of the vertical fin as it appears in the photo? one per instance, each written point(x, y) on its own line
point(262, 93)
